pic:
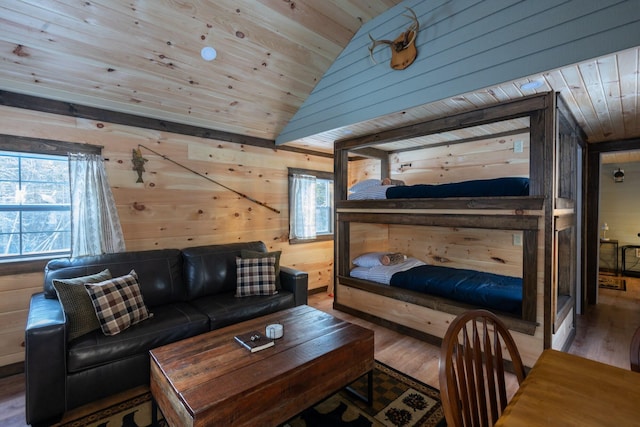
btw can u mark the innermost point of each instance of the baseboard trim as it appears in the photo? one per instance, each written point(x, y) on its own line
point(10, 370)
point(317, 290)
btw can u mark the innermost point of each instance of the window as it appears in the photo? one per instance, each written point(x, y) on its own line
point(35, 211)
point(310, 205)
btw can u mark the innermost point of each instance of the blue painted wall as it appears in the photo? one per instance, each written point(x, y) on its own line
point(463, 45)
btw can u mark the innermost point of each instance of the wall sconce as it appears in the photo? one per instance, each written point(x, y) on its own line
point(604, 228)
point(618, 176)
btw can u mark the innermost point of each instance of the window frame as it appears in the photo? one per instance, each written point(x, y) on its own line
point(319, 175)
point(29, 145)
point(24, 209)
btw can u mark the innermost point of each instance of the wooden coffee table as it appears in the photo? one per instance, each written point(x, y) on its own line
point(210, 379)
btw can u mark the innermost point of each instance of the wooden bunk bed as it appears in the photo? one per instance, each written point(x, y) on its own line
point(544, 221)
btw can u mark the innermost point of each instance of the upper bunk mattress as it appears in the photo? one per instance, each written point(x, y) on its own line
point(487, 290)
point(497, 187)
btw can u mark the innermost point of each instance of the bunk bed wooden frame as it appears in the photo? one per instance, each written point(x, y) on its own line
point(546, 217)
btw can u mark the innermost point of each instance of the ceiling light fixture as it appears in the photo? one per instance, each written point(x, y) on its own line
point(208, 53)
point(534, 84)
point(618, 176)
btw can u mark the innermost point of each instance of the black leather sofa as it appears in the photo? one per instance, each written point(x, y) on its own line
point(189, 292)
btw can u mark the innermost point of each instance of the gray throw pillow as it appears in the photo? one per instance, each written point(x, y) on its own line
point(77, 305)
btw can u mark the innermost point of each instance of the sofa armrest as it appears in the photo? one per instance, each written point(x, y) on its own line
point(295, 281)
point(45, 360)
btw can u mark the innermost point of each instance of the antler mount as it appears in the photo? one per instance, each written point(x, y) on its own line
point(403, 48)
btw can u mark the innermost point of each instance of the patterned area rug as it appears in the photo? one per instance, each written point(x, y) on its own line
point(612, 282)
point(399, 401)
point(132, 412)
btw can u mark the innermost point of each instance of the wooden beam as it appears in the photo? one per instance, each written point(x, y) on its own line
point(529, 275)
point(34, 103)
point(27, 144)
point(513, 203)
point(464, 140)
point(505, 111)
point(497, 222)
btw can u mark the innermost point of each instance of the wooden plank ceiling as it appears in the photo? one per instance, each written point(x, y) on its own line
point(143, 57)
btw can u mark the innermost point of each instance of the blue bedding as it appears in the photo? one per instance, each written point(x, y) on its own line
point(486, 290)
point(510, 186)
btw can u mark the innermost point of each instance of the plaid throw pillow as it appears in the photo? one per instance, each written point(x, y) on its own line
point(245, 253)
point(118, 303)
point(256, 276)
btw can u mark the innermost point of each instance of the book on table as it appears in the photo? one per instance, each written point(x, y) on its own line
point(254, 341)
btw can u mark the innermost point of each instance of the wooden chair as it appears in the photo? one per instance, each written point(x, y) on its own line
point(472, 375)
point(635, 351)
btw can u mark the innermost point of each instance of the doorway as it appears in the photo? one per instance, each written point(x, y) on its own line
point(611, 205)
point(609, 316)
point(618, 219)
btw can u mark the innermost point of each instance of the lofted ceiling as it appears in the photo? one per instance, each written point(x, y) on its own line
point(602, 93)
point(143, 57)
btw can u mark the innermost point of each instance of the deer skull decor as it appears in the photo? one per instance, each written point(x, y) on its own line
point(403, 48)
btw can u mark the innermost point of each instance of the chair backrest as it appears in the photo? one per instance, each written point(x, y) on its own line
point(635, 351)
point(472, 375)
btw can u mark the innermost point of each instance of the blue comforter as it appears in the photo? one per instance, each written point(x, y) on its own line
point(498, 187)
point(486, 290)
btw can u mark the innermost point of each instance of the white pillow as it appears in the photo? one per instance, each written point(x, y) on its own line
point(369, 259)
point(376, 192)
point(360, 272)
point(382, 273)
point(363, 185)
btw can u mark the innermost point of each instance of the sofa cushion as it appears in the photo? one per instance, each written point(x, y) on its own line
point(170, 323)
point(160, 272)
point(77, 305)
point(256, 276)
point(225, 309)
point(210, 270)
point(118, 303)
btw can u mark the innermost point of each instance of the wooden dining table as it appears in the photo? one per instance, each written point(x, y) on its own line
point(567, 390)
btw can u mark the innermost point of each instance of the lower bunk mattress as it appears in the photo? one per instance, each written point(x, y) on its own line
point(487, 290)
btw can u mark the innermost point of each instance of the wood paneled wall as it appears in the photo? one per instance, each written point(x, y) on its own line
point(491, 251)
point(173, 208)
point(492, 157)
point(483, 159)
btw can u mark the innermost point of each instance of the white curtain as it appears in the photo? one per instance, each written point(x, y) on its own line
point(303, 207)
point(95, 226)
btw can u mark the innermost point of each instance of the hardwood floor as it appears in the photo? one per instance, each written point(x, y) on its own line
point(604, 334)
